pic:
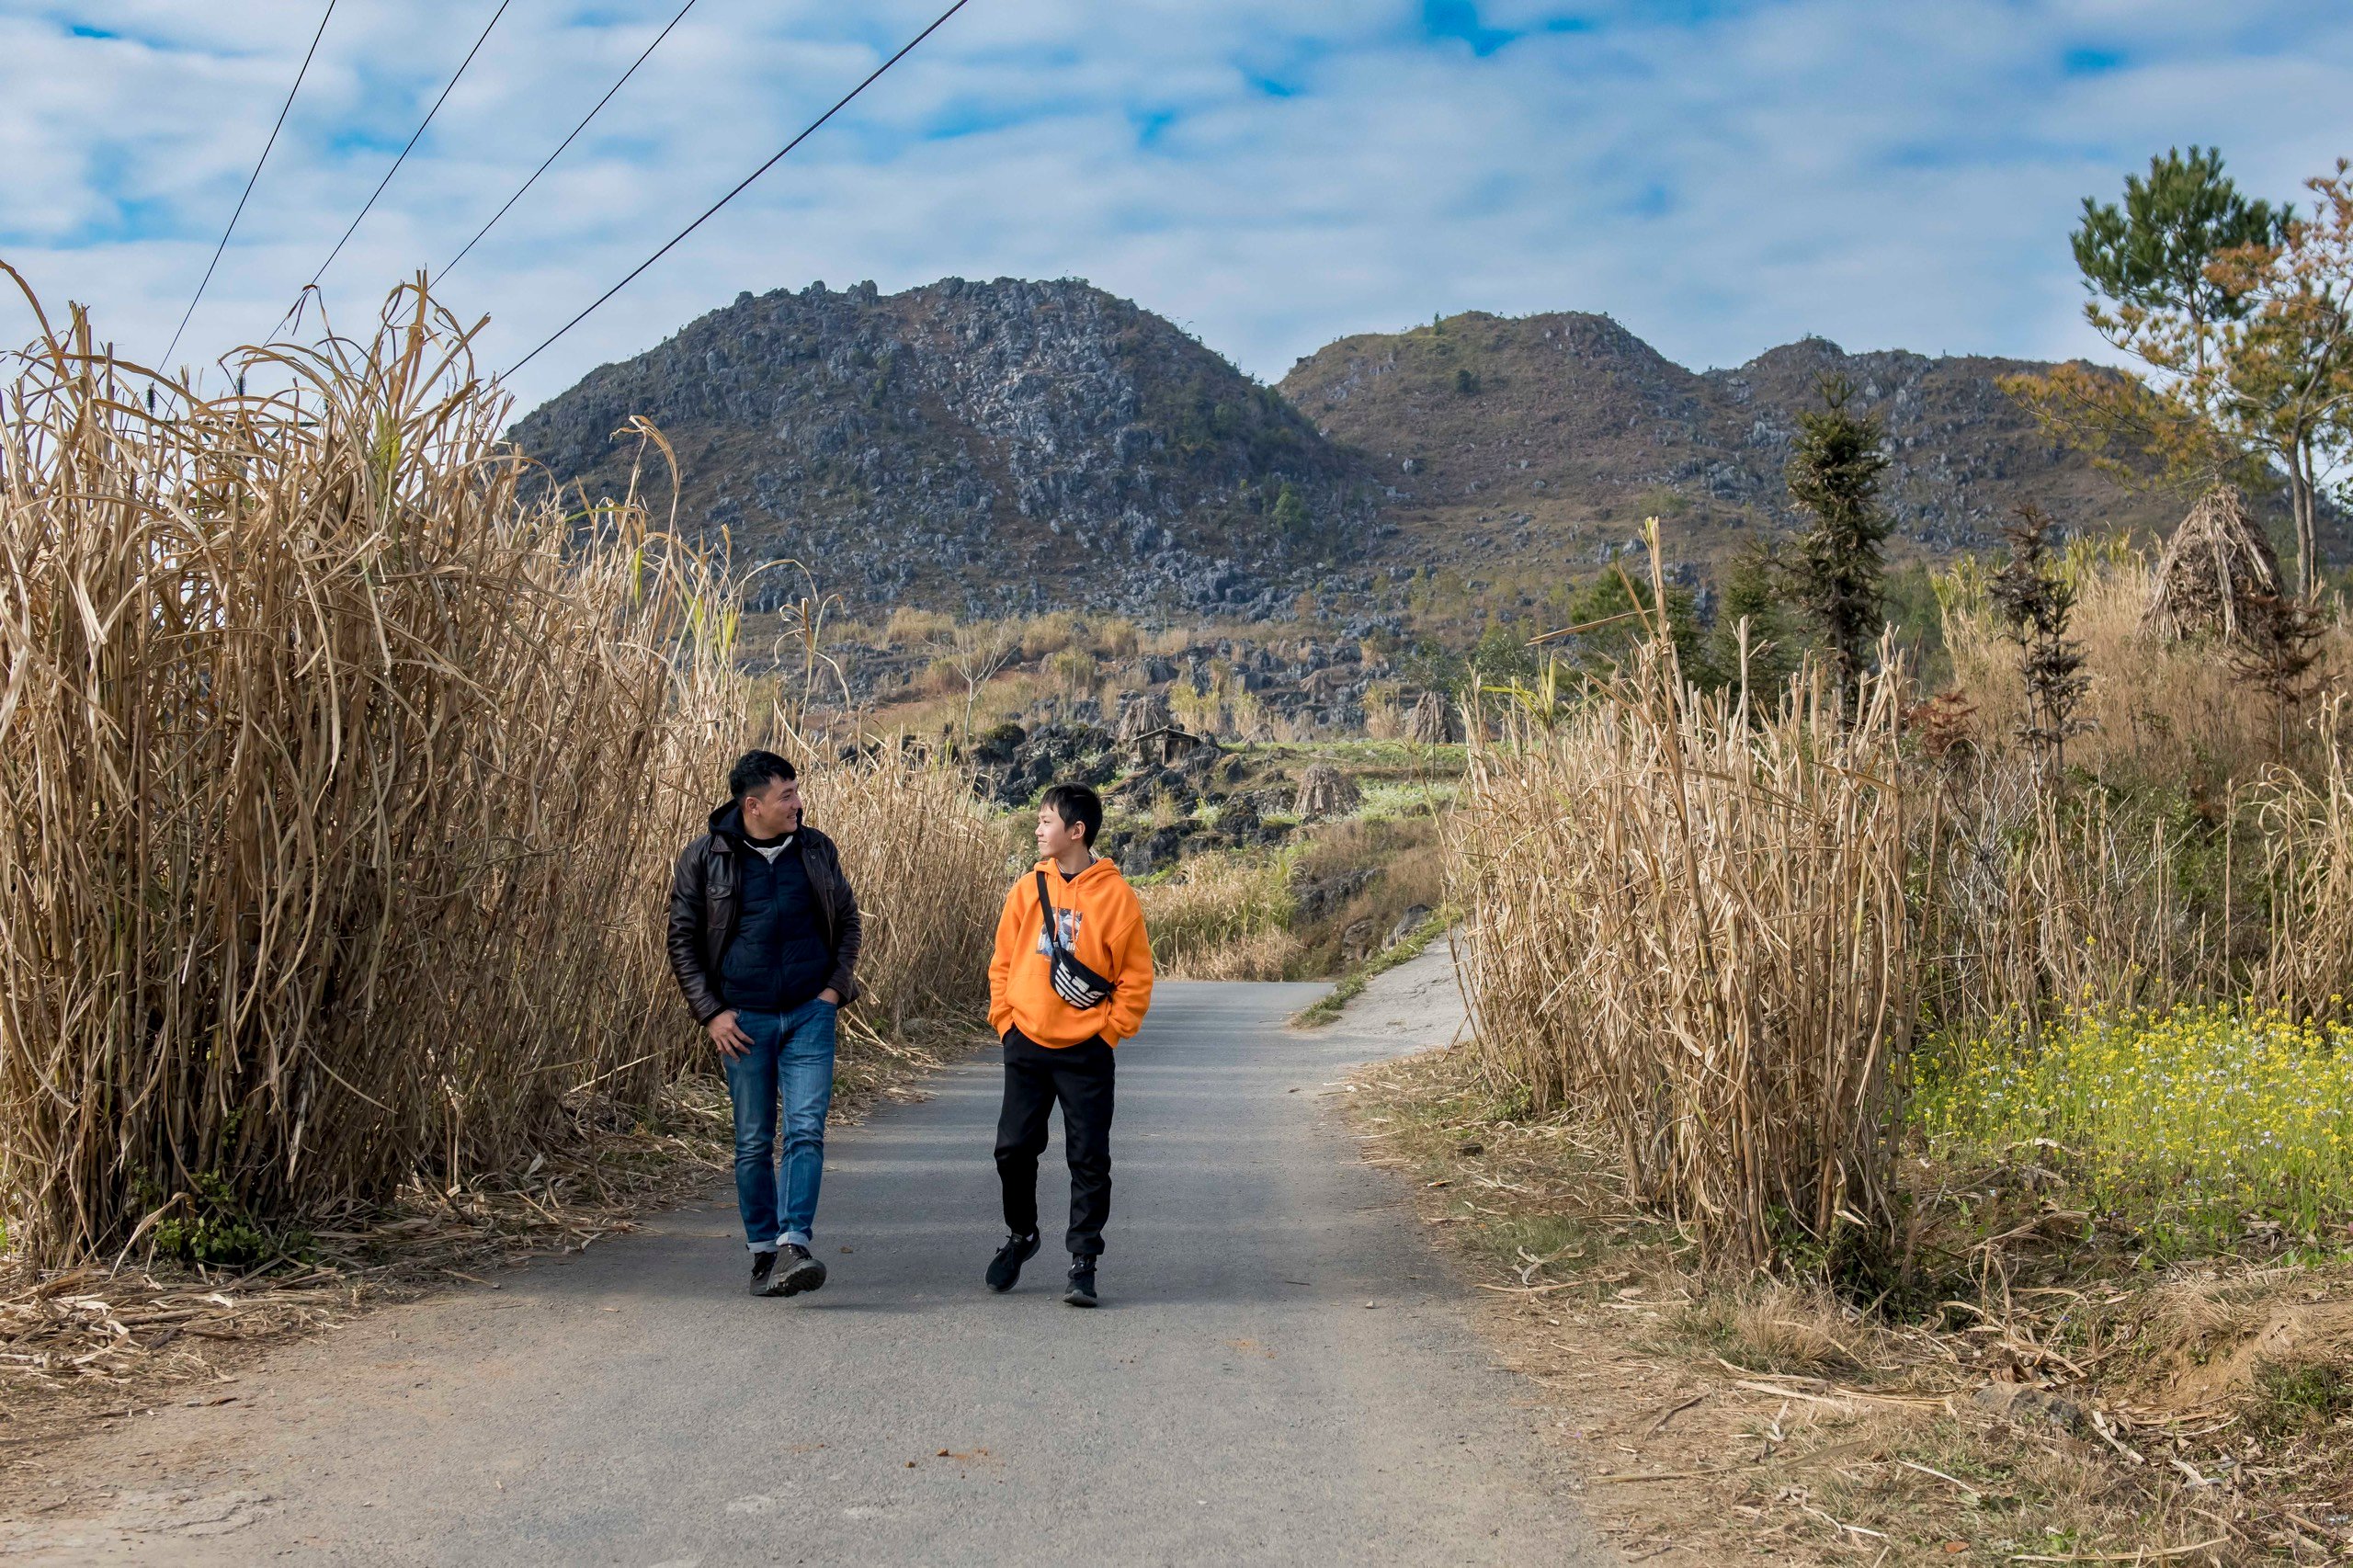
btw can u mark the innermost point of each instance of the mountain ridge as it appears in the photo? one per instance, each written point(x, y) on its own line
point(1545, 438)
point(969, 443)
point(1006, 447)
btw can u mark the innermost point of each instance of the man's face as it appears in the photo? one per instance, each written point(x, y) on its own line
point(773, 809)
point(1056, 837)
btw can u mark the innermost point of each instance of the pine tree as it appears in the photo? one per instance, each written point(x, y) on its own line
point(2154, 252)
point(1756, 589)
point(1833, 474)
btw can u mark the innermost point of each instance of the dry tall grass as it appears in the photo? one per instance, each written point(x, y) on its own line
point(1222, 917)
point(2028, 904)
point(1717, 929)
point(338, 786)
point(2157, 707)
point(1691, 921)
point(2212, 860)
point(930, 868)
point(2305, 826)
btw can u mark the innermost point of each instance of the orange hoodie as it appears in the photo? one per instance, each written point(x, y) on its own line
point(1102, 926)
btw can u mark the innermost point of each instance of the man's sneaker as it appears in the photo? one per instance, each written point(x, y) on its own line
point(1005, 1267)
point(1082, 1282)
point(764, 1275)
point(802, 1272)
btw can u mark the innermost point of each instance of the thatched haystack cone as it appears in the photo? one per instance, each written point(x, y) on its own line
point(2218, 572)
point(1140, 715)
point(1325, 791)
point(1433, 722)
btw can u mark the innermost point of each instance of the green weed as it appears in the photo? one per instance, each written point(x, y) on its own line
point(2185, 1124)
point(2302, 1396)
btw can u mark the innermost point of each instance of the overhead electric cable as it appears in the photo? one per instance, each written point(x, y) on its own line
point(567, 141)
point(807, 131)
point(381, 184)
point(266, 146)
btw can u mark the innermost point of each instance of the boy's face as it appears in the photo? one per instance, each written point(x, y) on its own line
point(1056, 837)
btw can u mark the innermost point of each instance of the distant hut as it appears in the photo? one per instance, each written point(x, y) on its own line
point(2219, 575)
point(1432, 721)
point(1168, 745)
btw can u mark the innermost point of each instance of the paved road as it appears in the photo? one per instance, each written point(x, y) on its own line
point(1283, 1371)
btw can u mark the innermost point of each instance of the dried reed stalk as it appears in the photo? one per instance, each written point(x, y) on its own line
point(1691, 919)
point(2030, 904)
point(2306, 842)
point(338, 787)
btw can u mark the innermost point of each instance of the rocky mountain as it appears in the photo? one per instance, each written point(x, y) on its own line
point(987, 447)
point(1547, 438)
point(1012, 446)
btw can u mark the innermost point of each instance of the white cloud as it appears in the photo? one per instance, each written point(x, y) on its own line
point(1721, 178)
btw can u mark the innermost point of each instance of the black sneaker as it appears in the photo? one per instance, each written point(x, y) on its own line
point(1005, 1267)
point(802, 1272)
point(764, 1273)
point(1082, 1282)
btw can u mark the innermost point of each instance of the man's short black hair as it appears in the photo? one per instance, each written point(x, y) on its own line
point(754, 770)
point(1079, 806)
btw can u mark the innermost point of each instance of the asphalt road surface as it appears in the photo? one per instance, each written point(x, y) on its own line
point(1282, 1373)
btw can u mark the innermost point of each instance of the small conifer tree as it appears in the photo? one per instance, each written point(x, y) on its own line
point(1289, 514)
point(1833, 474)
point(2036, 600)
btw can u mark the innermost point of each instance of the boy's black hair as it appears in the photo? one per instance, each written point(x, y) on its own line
point(754, 770)
point(1079, 806)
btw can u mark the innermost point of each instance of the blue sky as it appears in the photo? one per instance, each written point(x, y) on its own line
point(1723, 176)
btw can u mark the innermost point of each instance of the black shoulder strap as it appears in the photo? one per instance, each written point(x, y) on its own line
point(1046, 915)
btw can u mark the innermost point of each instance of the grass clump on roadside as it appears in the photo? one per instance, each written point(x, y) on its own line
point(2302, 1396)
point(1735, 1411)
point(1222, 918)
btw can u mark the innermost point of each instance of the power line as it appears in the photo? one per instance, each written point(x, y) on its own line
point(231, 229)
point(381, 184)
point(807, 131)
point(567, 141)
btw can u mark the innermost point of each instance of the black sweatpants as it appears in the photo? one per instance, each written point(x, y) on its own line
point(1035, 1078)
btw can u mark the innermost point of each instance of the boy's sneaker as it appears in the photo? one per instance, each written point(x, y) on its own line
point(1082, 1282)
point(764, 1273)
point(802, 1272)
point(1005, 1268)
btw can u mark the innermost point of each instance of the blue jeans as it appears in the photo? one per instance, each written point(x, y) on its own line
point(792, 1051)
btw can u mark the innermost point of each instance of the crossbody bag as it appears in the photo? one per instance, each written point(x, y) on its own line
point(1073, 980)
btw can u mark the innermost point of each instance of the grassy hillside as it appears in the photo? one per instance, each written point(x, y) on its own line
point(1513, 449)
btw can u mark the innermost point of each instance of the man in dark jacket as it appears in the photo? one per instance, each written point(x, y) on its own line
point(763, 936)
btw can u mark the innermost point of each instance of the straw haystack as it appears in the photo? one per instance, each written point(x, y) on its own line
point(1142, 713)
point(1432, 721)
point(2219, 574)
point(1325, 791)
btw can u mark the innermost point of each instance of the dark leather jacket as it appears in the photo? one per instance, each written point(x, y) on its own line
point(706, 898)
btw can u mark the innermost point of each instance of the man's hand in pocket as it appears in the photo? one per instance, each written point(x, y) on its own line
point(728, 1035)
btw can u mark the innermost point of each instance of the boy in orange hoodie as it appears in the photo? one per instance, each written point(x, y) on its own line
point(1061, 997)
